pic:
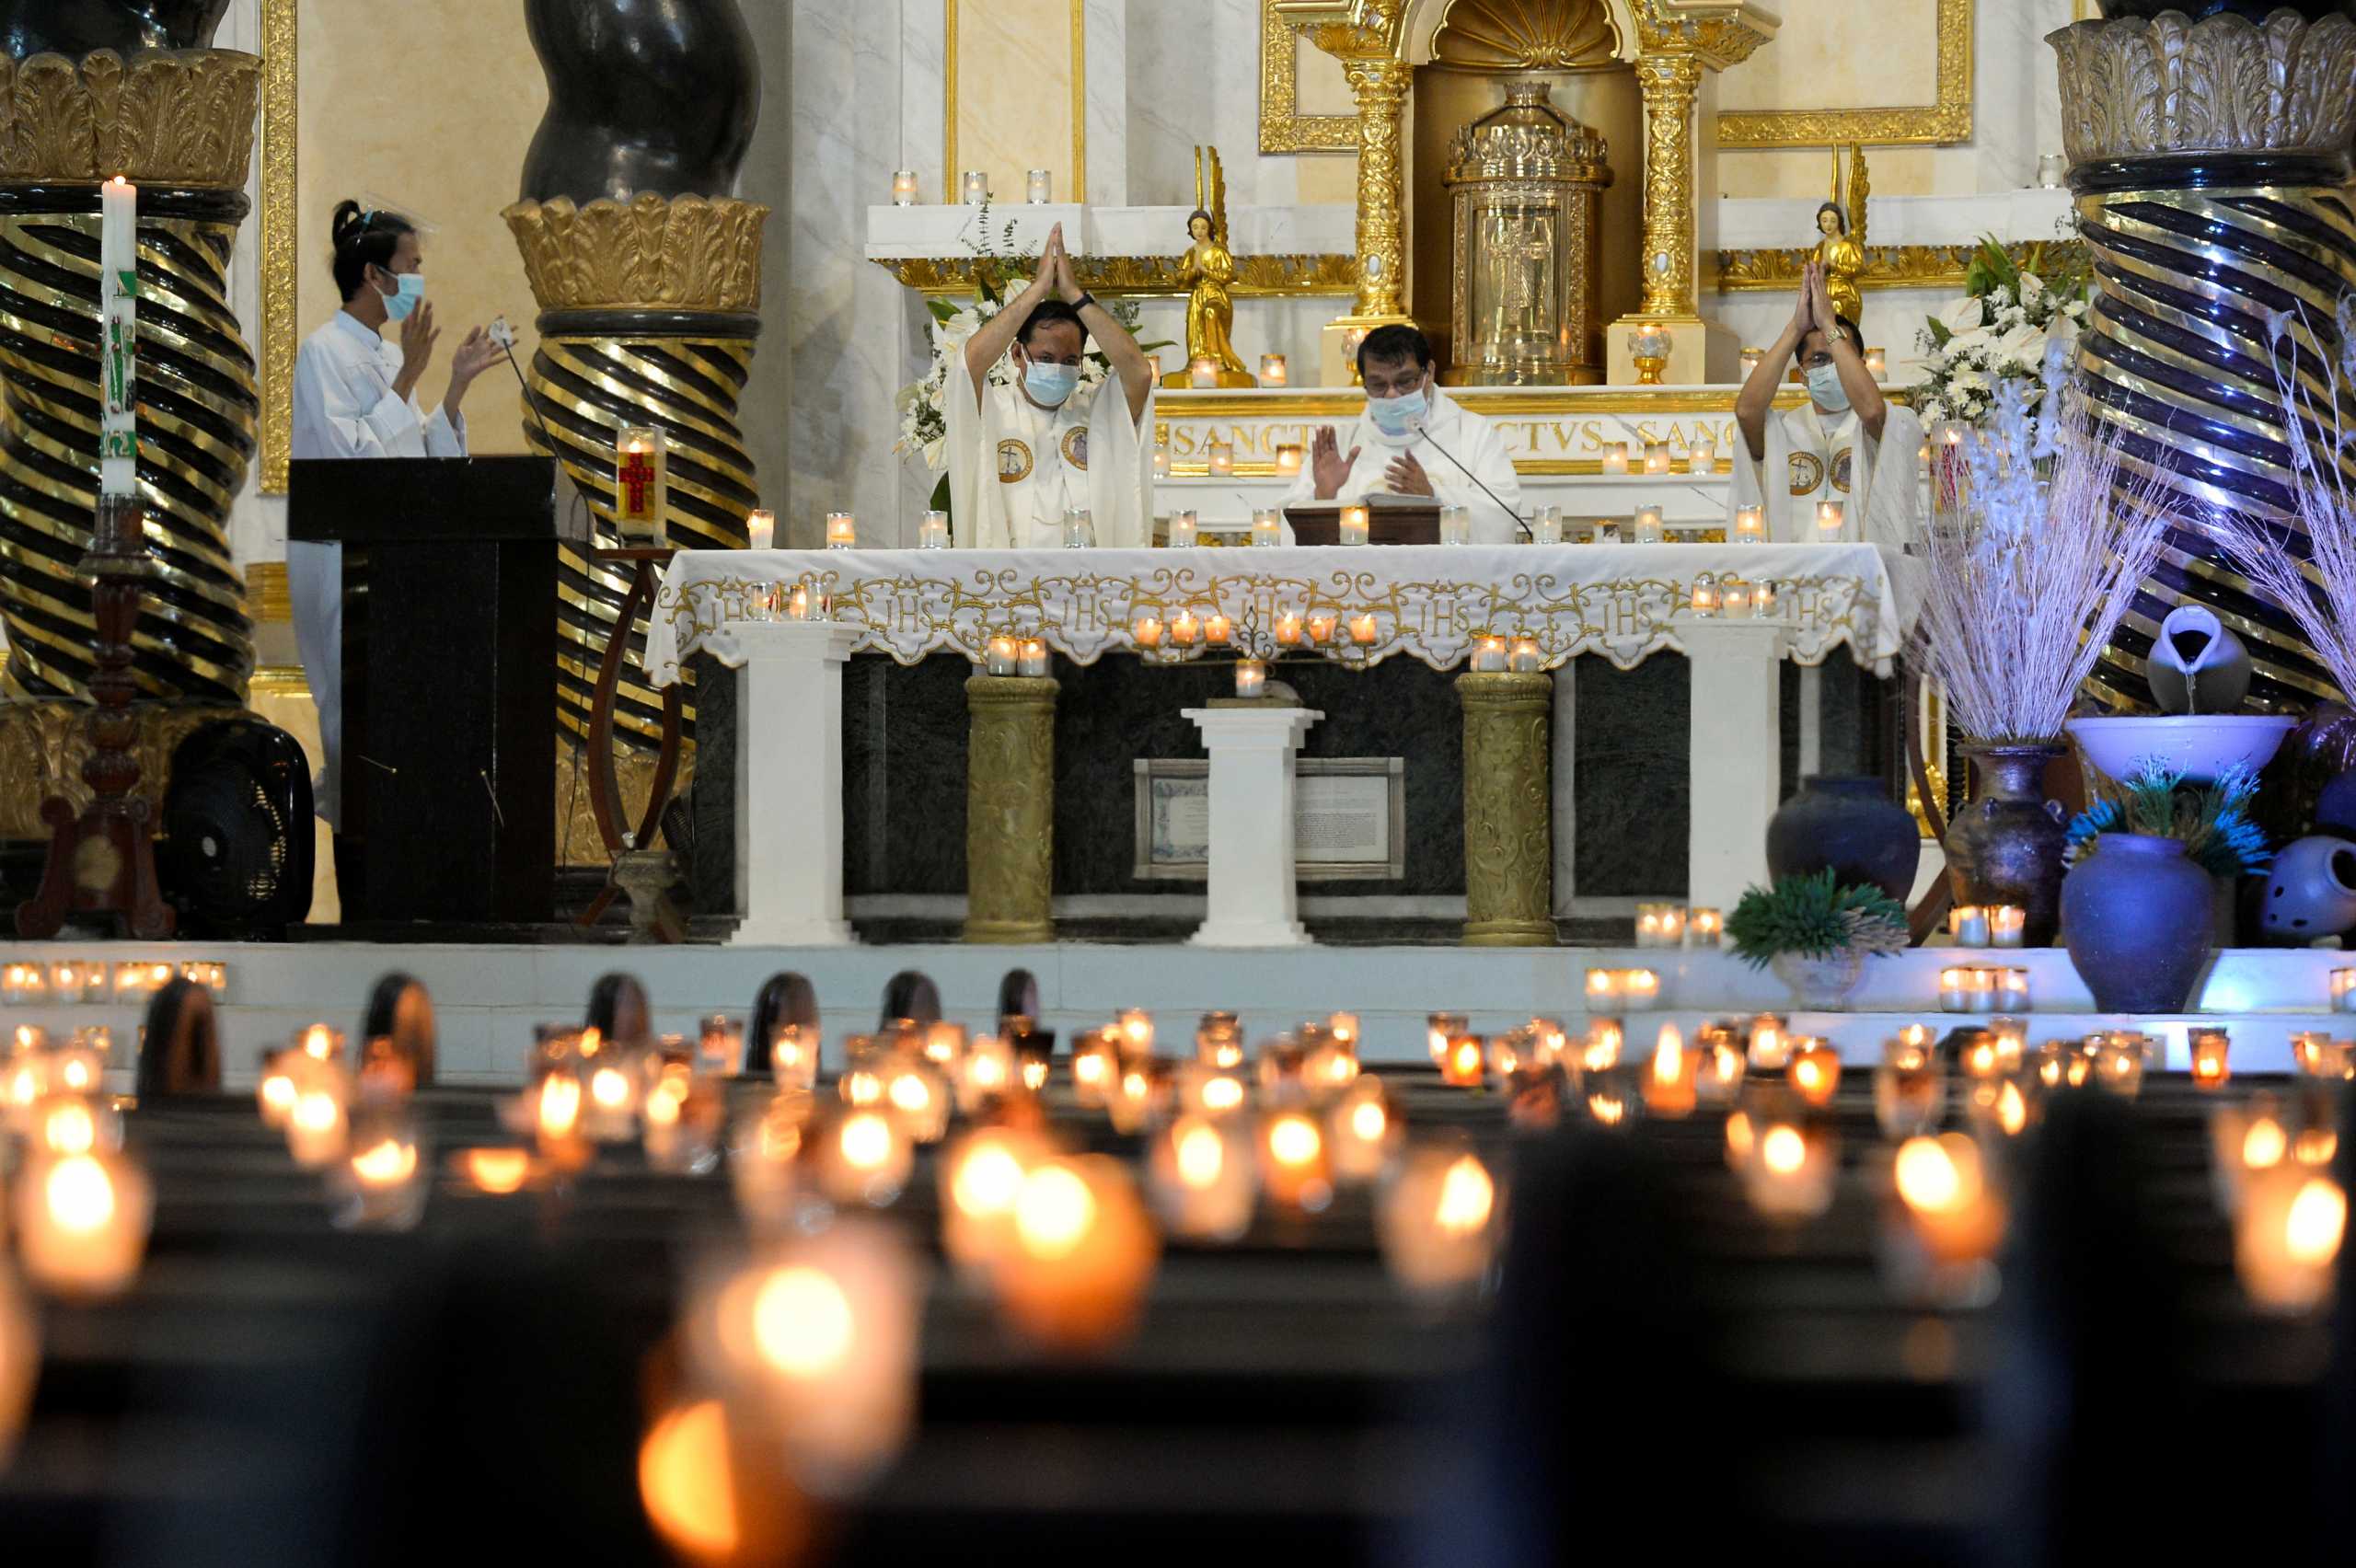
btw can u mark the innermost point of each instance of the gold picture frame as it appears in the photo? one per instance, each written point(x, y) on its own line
point(1948, 119)
point(1282, 128)
point(279, 229)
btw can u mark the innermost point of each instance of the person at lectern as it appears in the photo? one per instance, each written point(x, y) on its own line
point(355, 396)
point(1833, 446)
point(1403, 445)
point(1025, 450)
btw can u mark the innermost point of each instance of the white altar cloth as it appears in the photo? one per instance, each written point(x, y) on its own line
point(1431, 602)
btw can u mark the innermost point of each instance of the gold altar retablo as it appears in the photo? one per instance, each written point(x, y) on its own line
point(1525, 183)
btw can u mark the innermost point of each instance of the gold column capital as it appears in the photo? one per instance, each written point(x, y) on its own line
point(2162, 86)
point(1509, 808)
point(1010, 809)
point(1719, 33)
point(652, 252)
point(167, 117)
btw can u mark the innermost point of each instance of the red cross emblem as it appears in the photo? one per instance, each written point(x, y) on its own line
point(638, 484)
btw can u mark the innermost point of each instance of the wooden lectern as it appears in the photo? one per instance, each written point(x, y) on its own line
point(450, 680)
point(1321, 523)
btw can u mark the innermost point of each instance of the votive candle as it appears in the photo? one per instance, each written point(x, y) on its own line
point(1524, 657)
point(904, 188)
point(1185, 628)
point(1490, 656)
point(1455, 524)
point(1267, 527)
point(1000, 656)
point(977, 187)
point(842, 531)
point(1876, 364)
point(1362, 629)
point(1201, 372)
point(1038, 187)
point(1288, 461)
point(1967, 923)
point(1222, 459)
point(1703, 927)
point(1615, 459)
point(1655, 457)
point(1182, 530)
point(1353, 526)
point(1546, 527)
point(1829, 521)
point(932, 531)
point(1750, 525)
point(1251, 677)
point(1648, 527)
point(760, 529)
point(1034, 658)
point(2006, 924)
point(1272, 370)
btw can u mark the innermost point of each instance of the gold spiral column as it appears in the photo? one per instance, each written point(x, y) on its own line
point(648, 313)
point(180, 124)
point(2210, 161)
point(1508, 809)
point(1010, 809)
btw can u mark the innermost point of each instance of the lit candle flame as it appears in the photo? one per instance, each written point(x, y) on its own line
point(801, 1323)
point(1466, 1197)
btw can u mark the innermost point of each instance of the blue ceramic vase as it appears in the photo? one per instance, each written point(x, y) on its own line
point(2310, 890)
point(1851, 824)
point(2135, 916)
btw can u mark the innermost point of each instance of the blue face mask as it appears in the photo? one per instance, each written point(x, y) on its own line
point(1397, 416)
point(1824, 385)
point(410, 290)
point(1050, 384)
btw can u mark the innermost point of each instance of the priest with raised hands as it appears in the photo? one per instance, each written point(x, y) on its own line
point(1414, 443)
point(1029, 443)
point(1846, 443)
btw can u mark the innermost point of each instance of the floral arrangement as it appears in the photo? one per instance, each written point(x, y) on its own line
point(924, 424)
point(2030, 566)
point(2000, 330)
point(2211, 819)
point(1814, 917)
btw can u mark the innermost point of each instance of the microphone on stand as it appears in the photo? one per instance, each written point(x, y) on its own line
point(1424, 430)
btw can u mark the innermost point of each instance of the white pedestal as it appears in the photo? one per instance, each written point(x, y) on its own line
point(1251, 897)
point(1736, 734)
point(789, 783)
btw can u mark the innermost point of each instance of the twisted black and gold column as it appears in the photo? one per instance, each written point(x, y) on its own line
point(180, 124)
point(2211, 165)
point(648, 313)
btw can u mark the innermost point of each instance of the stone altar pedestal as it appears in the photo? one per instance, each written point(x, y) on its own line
point(1253, 903)
point(1735, 721)
point(789, 783)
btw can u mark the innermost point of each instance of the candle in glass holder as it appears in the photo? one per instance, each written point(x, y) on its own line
point(1161, 461)
point(1185, 628)
point(1288, 461)
point(904, 188)
point(2008, 990)
point(1967, 923)
point(1669, 1085)
point(1703, 927)
point(1546, 526)
point(2343, 990)
point(1735, 598)
point(932, 531)
point(1182, 530)
point(976, 187)
point(1751, 359)
point(1363, 630)
point(1200, 1175)
point(1464, 1063)
point(797, 603)
point(1038, 187)
point(1146, 630)
point(316, 1126)
point(1217, 630)
point(1954, 990)
point(1648, 524)
point(1288, 629)
point(1033, 658)
point(1829, 522)
point(1876, 364)
point(2287, 1236)
point(1702, 455)
point(1353, 526)
point(1222, 459)
point(1789, 1171)
point(2006, 924)
point(1815, 1072)
point(1615, 459)
point(1321, 626)
point(1524, 657)
point(1080, 528)
point(1704, 600)
point(1272, 370)
point(1769, 1047)
point(23, 983)
point(760, 529)
point(1251, 677)
point(1490, 656)
point(1660, 925)
point(1750, 525)
point(2209, 1048)
point(1909, 1092)
point(1655, 457)
point(1000, 655)
point(1201, 372)
point(842, 531)
point(1455, 524)
point(81, 1222)
point(1267, 527)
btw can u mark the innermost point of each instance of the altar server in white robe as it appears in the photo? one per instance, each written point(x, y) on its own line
point(1846, 443)
point(1402, 444)
point(1020, 456)
point(355, 396)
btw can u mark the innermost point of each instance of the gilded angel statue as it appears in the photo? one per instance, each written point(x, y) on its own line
point(1209, 270)
point(1842, 251)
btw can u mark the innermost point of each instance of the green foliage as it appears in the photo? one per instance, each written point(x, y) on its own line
point(1814, 916)
point(2212, 819)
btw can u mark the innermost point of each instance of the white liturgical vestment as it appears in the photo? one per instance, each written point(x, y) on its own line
point(1470, 439)
point(1015, 468)
point(344, 406)
point(1813, 457)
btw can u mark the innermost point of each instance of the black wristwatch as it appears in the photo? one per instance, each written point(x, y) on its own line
point(1085, 301)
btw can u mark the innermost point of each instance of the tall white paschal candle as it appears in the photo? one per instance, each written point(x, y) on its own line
point(119, 333)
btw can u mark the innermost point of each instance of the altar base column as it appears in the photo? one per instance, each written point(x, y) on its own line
point(789, 784)
point(1254, 901)
point(1010, 809)
point(1508, 803)
point(1734, 747)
